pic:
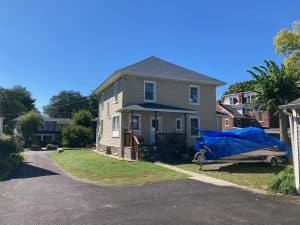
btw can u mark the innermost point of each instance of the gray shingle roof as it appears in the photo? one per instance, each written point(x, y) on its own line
point(295, 102)
point(156, 67)
point(232, 111)
point(159, 68)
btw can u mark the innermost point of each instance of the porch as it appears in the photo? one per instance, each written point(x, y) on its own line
point(155, 126)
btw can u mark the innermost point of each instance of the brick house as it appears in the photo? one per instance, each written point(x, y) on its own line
point(239, 113)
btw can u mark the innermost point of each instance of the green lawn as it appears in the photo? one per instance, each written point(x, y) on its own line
point(91, 166)
point(251, 175)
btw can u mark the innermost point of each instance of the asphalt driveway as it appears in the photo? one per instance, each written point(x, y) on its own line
point(40, 193)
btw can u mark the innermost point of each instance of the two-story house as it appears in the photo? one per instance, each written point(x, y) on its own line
point(50, 130)
point(240, 113)
point(152, 100)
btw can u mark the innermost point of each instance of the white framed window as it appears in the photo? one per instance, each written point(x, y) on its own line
point(107, 109)
point(134, 122)
point(231, 100)
point(115, 126)
point(149, 91)
point(194, 95)
point(101, 128)
point(116, 91)
point(178, 124)
point(260, 116)
point(194, 126)
point(226, 122)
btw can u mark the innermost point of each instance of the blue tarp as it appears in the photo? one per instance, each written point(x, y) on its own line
point(234, 142)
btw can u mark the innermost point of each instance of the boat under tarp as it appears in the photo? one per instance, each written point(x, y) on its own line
point(238, 142)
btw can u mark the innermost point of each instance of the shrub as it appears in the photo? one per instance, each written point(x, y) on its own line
point(76, 136)
point(35, 147)
point(284, 182)
point(10, 145)
point(51, 147)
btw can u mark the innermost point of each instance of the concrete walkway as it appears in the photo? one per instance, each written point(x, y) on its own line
point(209, 180)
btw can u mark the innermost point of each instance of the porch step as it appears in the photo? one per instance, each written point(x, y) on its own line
point(149, 153)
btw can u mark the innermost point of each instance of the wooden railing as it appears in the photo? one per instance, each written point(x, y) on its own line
point(167, 138)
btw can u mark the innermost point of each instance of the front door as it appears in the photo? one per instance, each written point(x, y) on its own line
point(153, 123)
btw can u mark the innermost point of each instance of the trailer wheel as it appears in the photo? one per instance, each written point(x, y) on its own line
point(273, 162)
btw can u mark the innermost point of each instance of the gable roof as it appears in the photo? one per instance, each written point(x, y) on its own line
point(231, 111)
point(159, 68)
point(292, 104)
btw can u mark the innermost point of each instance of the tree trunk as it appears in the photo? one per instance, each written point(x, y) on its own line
point(283, 127)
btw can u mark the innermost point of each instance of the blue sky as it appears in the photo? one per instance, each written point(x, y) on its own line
point(49, 46)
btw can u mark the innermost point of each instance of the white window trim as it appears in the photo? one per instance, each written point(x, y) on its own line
point(115, 133)
point(154, 91)
point(194, 117)
point(101, 124)
point(181, 121)
point(108, 109)
point(262, 120)
point(116, 91)
point(140, 121)
point(198, 94)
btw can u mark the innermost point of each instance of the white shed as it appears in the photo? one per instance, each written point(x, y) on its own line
point(293, 111)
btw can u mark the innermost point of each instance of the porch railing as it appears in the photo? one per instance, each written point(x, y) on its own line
point(167, 138)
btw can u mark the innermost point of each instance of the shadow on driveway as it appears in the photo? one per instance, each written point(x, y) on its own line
point(28, 171)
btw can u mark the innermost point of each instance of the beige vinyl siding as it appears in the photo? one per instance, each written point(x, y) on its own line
point(174, 93)
point(109, 97)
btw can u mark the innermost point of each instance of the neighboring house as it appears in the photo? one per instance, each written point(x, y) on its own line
point(293, 111)
point(239, 113)
point(50, 130)
point(153, 101)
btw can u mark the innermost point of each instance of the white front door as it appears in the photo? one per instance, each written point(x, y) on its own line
point(158, 123)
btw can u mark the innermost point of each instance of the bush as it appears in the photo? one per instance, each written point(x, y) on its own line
point(10, 147)
point(9, 164)
point(51, 147)
point(76, 136)
point(35, 147)
point(284, 183)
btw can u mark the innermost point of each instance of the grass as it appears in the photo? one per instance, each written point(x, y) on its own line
point(91, 166)
point(252, 175)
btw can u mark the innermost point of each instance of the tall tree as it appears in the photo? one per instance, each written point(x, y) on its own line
point(29, 124)
point(275, 86)
point(287, 43)
point(14, 102)
point(65, 104)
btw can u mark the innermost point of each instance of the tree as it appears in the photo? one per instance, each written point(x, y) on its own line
point(82, 118)
point(76, 136)
point(29, 124)
point(65, 104)
point(275, 86)
point(248, 85)
point(14, 102)
point(93, 101)
point(287, 43)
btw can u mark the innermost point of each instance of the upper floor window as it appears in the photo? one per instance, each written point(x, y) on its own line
point(194, 95)
point(107, 109)
point(116, 90)
point(101, 128)
point(149, 91)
